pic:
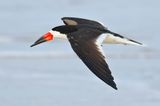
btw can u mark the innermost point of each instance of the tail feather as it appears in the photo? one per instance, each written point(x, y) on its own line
point(134, 42)
point(113, 38)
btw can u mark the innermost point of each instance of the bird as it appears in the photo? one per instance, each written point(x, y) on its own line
point(86, 38)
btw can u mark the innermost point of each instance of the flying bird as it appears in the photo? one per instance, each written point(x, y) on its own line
point(86, 38)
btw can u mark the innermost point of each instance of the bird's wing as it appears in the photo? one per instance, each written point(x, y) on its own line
point(78, 21)
point(88, 48)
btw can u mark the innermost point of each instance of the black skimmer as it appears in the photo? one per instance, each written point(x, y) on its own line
point(86, 37)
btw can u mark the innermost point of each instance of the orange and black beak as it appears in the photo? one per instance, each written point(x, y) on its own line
point(46, 37)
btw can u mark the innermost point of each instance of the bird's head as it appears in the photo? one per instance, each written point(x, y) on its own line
point(57, 32)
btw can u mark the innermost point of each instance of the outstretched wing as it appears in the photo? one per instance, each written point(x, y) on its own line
point(87, 47)
point(77, 21)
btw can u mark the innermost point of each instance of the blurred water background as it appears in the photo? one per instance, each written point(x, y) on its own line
point(52, 75)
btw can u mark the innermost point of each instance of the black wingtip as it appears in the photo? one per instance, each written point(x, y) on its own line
point(114, 87)
point(112, 84)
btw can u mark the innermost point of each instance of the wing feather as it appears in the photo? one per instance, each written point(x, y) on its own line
point(88, 51)
point(78, 21)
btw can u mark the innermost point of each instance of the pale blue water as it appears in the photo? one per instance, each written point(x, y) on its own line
point(51, 74)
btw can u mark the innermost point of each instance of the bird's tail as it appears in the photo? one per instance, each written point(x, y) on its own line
point(113, 38)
